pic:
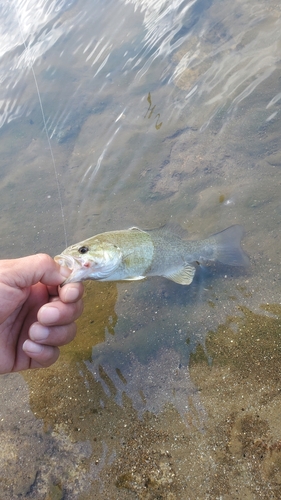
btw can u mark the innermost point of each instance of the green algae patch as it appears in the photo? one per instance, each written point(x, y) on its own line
point(61, 394)
point(98, 316)
point(250, 344)
point(239, 383)
point(199, 356)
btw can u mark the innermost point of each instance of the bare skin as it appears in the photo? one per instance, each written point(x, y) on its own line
point(36, 315)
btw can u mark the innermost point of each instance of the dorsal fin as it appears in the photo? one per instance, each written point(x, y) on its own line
point(176, 229)
point(135, 228)
point(170, 229)
point(184, 276)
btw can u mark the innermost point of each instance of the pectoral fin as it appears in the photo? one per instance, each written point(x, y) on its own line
point(184, 276)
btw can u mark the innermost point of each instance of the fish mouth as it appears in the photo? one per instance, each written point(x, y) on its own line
point(75, 266)
point(67, 261)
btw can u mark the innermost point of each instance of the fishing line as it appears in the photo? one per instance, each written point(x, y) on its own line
point(46, 131)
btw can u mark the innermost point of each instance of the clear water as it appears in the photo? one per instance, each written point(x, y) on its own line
point(155, 111)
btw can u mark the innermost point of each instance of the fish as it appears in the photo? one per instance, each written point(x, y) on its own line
point(134, 254)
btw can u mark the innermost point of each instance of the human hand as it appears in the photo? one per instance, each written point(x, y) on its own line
point(36, 315)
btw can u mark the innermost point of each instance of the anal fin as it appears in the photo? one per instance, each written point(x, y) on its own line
point(135, 278)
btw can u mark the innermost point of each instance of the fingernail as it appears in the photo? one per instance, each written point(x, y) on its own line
point(71, 293)
point(32, 347)
point(38, 332)
point(48, 315)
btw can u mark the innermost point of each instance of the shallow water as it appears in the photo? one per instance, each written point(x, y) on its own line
point(155, 111)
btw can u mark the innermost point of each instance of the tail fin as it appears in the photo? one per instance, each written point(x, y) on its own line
point(227, 247)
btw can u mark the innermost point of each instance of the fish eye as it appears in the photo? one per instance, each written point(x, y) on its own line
point(83, 249)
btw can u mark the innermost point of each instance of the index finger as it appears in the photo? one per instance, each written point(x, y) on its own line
point(27, 271)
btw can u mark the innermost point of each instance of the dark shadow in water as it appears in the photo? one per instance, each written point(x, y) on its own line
point(147, 357)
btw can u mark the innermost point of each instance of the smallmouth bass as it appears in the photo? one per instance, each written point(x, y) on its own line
point(134, 254)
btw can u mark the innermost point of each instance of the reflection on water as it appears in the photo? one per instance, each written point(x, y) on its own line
point(155, 111)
